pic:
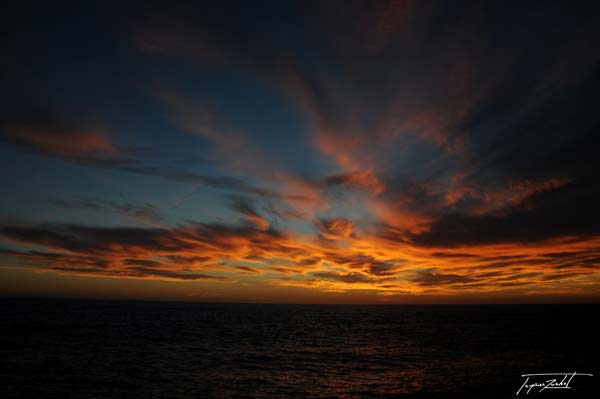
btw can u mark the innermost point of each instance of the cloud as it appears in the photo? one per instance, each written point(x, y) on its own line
point(430, 278)
point(348, 278)
point(456, 94)
point(146, 213)
point(51, 136)
point(565, 210)
point(94, 240)
point(336, 228)
point(215, 252)
point(141, 262)
point(126, 251)
point(365, 179)
point(386, 268)
point(168, 274)
point(246, 208)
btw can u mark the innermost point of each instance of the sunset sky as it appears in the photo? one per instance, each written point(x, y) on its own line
point(376, 152)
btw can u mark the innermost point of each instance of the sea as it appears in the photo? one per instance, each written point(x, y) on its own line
point(66, 348)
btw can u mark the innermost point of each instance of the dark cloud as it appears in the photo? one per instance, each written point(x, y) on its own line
point(146, 272)
point(562, 276)
point(430, 278)
point(246, 269)
point(51, 135)
point(518, 276)
point(383, 268)
point(123, 251)
point(62, 261)
point(458, 255)
point(567, 210)
point(187, 260)
point(246, 207)
point(84, 239)
point(348, 278)
point(219, 182)
point(146, 212)
point(336, 228)
point(351, 261)
point(141, 262)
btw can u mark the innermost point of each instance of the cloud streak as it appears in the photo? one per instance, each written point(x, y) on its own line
point(219, 253)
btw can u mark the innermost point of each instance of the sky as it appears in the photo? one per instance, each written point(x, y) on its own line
point(304, 152)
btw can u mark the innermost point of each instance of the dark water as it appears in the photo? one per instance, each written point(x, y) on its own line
point(104, 349)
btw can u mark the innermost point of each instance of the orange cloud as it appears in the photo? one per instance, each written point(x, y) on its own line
point(336, 228)
point(362, 262)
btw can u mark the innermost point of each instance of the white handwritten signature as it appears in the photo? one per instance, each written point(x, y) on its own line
point(543, 381)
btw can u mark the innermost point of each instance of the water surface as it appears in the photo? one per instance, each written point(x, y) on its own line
point(98, 349)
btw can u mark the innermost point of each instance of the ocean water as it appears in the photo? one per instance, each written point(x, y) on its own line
point(112, 349)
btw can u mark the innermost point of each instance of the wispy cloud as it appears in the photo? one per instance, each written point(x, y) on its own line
point(199, 251)
point(147, 212)
point(50, 136)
